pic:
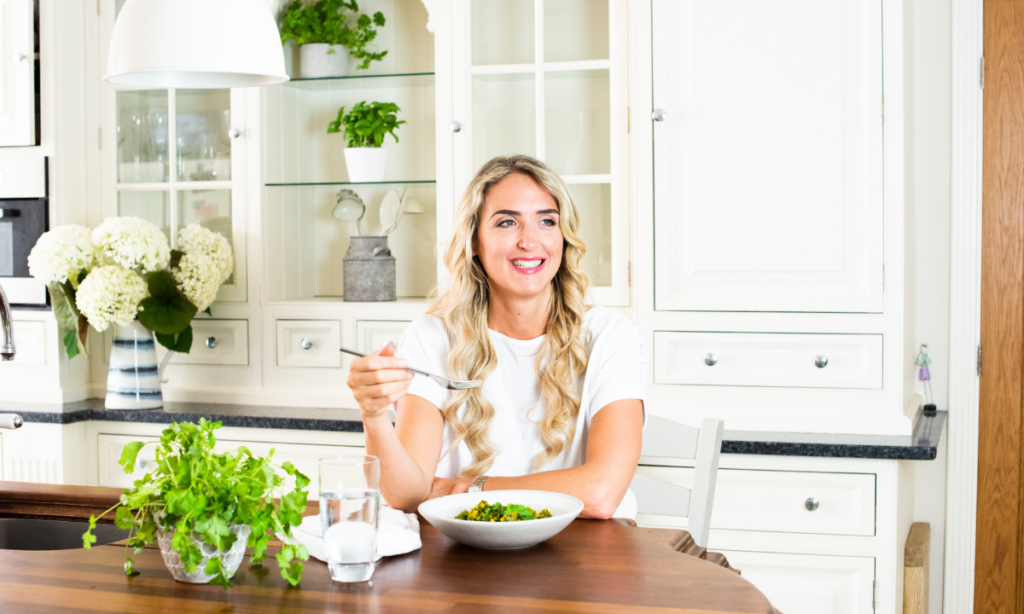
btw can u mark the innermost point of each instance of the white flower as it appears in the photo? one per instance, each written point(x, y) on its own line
point(207, 264)
point(62, 254)
point(133, 243)
point(199, 241)
point(110, 294)
point(199, 278)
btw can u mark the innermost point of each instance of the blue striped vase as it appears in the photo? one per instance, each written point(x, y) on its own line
point(133, 381)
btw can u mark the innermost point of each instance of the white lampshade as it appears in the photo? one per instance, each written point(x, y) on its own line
point(195, 44)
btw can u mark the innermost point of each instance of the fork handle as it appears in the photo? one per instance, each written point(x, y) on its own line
point(361, 355)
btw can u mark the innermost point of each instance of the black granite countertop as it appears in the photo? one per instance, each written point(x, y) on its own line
point(922, 445)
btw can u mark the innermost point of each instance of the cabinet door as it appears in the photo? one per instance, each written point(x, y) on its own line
point(17, 73)
point(768, 158)
point(548, 79)
point(810, 584)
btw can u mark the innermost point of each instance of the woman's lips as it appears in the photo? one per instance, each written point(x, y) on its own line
point(532, 271)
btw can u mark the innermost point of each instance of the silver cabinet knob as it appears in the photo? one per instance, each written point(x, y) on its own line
point(821, 361)
point(20, 57)
point(455, 126)
point(234, 133)
point(211, 342)
point(659, 115)
point(141, 464)
point(306, 344)
point(811, 504)
point(710, 359)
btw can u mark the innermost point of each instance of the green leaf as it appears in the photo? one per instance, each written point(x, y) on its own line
point(129, 454)
point(182, 342)
point(71, 343)
point(129, 567)
point(88, 539)
point(166, 311)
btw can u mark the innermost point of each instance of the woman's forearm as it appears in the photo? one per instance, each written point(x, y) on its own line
point(600, 494)
point(402, 483)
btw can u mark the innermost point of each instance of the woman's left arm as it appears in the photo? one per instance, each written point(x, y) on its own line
point(613, 451)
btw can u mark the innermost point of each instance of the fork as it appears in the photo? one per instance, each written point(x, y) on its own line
point(450, 384)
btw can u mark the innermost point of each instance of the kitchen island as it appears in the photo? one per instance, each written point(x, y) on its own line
point(592, 566)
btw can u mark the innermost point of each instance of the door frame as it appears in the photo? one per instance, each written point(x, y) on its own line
point(965, 305)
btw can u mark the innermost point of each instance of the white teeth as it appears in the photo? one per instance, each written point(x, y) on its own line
point(526, 264)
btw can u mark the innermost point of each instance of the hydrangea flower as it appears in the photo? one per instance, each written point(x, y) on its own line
point(61, 254)
point(207, 264)
point(110, 295)
point(133, 243)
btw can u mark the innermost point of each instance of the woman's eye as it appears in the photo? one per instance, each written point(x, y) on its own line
point(549, 222)
point(506, 223)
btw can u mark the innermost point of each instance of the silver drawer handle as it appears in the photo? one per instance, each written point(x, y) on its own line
point(710, 359)
point(659, 115)
point(234, 133)
point(211, 342)
point(306, 344)
point(821, 361)
point(455, 127)
point(20, 57)
point(811, 504)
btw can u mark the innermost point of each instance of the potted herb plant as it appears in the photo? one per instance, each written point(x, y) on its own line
point(205, 508)
point(365, 127)
point(124, 274)
point(326, 40)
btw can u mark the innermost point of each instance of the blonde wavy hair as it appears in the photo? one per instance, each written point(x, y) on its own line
point(463, 307)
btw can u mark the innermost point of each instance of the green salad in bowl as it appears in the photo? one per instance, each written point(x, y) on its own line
point(485, 512)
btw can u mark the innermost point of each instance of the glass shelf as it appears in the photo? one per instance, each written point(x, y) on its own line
point(363, 81)
point(286, 185)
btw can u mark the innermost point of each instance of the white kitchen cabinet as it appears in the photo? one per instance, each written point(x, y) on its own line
point(768, 155)
point(810, 584)
point(17, 73)
point(549, 79)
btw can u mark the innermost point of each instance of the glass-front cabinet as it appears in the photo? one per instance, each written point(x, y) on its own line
point(548, 78)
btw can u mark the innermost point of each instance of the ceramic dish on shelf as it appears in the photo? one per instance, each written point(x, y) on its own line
point(442, 512)
point(390, 209)
point(350, 208)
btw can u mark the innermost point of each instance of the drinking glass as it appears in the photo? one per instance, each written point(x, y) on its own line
point(350, 513)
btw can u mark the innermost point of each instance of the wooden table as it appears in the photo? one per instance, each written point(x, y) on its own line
point(592, 566)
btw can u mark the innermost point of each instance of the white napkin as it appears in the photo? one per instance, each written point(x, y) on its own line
point(399, 533)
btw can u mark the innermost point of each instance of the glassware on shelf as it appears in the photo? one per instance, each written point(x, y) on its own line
point(142, 135)
point(202, 125)
point(151, 206)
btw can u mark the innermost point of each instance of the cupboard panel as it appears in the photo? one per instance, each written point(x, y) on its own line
point(17, 73)
point(768, 165)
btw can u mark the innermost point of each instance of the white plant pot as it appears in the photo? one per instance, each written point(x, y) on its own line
point(229, 560)
point(315, 60)
point(366, 163)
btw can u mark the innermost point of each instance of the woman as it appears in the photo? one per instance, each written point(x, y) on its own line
point(561, 407)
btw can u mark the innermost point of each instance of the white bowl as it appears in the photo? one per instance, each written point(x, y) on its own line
point(441, 513)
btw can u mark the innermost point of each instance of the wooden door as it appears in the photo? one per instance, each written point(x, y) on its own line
point(999, 565)
point(768, 158)
point(17, 74)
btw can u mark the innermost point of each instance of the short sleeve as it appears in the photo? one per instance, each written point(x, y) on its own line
point(616, 366)
point(425, 345)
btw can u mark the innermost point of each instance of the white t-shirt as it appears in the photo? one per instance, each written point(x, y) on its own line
point(615, 371)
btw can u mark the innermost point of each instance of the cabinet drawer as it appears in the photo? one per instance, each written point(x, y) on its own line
point(809, 584)
point(768, 359)
point(371, 335)
point(308, 343)
point(214, 342)
point(777, 501)
point(305, 457)
point(30, 342)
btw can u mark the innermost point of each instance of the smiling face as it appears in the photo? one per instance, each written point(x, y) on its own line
point(519, 240)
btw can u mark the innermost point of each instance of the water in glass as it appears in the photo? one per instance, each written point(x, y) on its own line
point(350, 521)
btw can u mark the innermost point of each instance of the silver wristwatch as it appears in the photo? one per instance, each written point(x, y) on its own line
point(478, 484)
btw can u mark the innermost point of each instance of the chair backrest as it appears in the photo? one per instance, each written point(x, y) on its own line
point(667, 439)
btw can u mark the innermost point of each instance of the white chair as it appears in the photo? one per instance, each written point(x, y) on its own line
point(668, 439)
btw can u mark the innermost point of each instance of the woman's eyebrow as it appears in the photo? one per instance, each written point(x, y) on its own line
point(516, 213)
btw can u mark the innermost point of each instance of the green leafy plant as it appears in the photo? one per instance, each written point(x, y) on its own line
point(196, 493)
point(326, 22)
point(366, 125)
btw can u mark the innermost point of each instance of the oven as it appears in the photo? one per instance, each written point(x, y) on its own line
point(23, 219)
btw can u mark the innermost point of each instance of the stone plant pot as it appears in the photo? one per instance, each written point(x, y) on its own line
point(366, 164)
point(229, 560)
point(316, 61)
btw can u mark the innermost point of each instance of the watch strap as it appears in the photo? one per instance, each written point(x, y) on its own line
point(478, 484)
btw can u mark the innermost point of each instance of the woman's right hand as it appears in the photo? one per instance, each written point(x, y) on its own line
point(378, 380)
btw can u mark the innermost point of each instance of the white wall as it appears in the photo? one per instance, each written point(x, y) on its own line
point(931, 92)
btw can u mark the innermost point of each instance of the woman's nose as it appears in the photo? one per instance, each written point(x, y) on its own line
point(527, 237)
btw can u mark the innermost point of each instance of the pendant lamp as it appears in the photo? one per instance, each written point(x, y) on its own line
point(195, 44)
